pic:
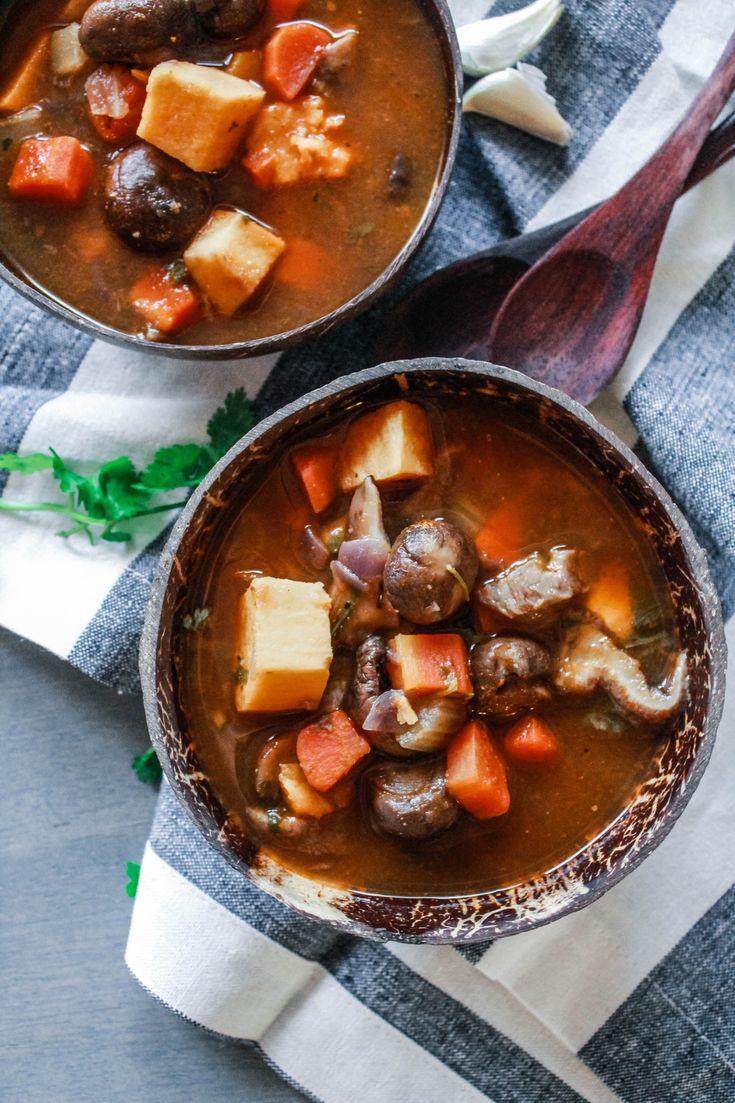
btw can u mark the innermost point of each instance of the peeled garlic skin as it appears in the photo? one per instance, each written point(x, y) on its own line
point(512, 98)
point(490, 45)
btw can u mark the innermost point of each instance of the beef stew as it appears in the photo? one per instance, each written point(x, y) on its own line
point(439, 653)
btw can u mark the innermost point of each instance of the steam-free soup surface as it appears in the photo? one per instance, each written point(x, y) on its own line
point(488, 458)
point(339, 232)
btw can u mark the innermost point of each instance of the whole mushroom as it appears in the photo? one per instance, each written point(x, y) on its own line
point(138, 32)
point(411, 799)
point(508, 675)
point(152, 201)
point(430, 571)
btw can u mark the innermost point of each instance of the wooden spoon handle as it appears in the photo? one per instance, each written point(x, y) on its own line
point(718, 148)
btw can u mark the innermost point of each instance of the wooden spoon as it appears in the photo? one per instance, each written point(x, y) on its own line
point(571, 319)
point(451, 312)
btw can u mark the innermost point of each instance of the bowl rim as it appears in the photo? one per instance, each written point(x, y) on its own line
point(439, 15)
point(361, 912)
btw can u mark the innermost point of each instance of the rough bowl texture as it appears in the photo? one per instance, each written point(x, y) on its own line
point(604, 861)
point(438, 13)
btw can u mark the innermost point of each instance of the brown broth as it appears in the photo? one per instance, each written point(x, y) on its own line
point(354, 220)
point(492, 454)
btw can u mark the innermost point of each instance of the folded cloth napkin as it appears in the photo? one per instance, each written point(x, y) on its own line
point(626, 1000)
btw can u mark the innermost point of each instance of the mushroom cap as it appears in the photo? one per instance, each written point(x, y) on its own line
point(430, 571)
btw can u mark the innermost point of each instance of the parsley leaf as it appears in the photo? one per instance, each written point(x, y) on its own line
point(176, 466)
point(232, 420)
point(132, 872)
point(26, 465)
point(147, 767)
point(117, 492)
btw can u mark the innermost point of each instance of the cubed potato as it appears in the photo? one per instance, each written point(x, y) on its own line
point(285, 646)
point(230, 256)
point(67, 55)
point(23, 87)
point(392, 444)
point(301, 798)
point(197, 114)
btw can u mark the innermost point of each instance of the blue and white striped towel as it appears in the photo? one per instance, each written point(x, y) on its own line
point(631, 999)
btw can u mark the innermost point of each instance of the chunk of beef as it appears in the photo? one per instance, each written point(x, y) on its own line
point(533, 587)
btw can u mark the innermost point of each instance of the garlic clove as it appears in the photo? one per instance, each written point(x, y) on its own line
point(499, 42)
point(519, 98)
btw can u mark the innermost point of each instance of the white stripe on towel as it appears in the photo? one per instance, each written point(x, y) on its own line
point(217, 970)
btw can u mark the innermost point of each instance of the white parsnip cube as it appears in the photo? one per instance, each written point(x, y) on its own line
point(285, 646)
point(392, 443)
point(67, 55)
point(230, 256)
point(302, 798)
point(198, 114)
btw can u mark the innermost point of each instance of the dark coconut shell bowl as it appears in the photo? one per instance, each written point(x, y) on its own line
point(440, 17)
point(498, 912)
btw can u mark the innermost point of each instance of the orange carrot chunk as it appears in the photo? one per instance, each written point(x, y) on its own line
point(476, 774)
point(610, 599)
point(291, 55)
point(281, 10)
point(500, 539)
point(115, 103)
point(316, 467)
point(168, 306)
point(430, 664)
point(304, 264)
point(52, 170)
point(531, 740)
point(328, 749)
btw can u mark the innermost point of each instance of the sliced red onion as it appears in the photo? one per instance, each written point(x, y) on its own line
point(385, 713)
point(104, 90)
point(316, 550)
point(366, 556)
point(344, 574)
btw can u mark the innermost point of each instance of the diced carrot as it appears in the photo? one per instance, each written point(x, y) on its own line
point(262, 166)
point(485, 620)
point(430, 664)
point(52, 170)
point(532, 740)
point(115, 84)
point(304, 265)
point(89, 242)
point(316, 466)
point(291, 55)
point(245, 64)
point(281, 10)
point(168, 306)
point(141, 75)
point(476, 773)
point(328, 749)
point(610, 599)
point(21, 91)
point(500, 539)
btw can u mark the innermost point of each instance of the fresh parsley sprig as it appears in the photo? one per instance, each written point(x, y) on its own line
point(101, 504)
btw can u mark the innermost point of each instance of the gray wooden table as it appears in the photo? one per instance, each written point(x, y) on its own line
point(74, 1024)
